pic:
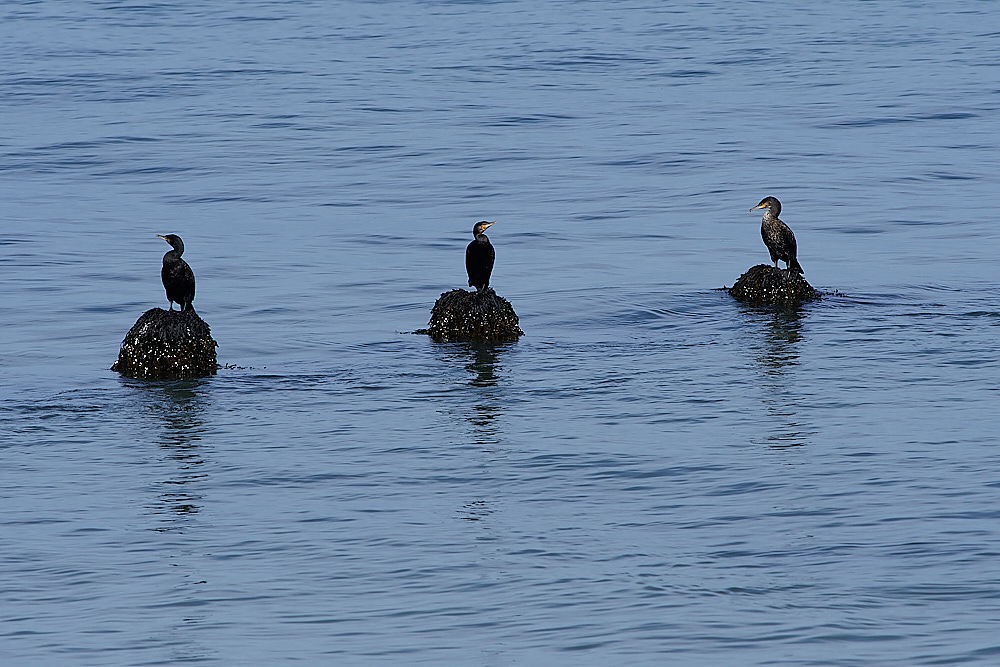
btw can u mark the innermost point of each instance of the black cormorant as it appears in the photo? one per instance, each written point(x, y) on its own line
point(777, 236)
point(178, 278)
point(479, 257)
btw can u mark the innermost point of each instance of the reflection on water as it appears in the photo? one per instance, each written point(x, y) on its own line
point(179, 406)
point(483, 415)
point(477, 510)
point(778, 356)
point(483, 363)
point(781, 337)
point(175, 410)
point(482, 407)
point(482, 410)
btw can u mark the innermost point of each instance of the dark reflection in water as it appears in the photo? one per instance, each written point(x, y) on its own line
point(782, 333)
point(482, 366)
point(482, 361)
point(777, 356)
point(482, 409)
point(179, 406)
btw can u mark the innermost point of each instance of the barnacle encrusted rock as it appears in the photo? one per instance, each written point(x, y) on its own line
point(463, 315)
point(167, 344)
point(765, 284)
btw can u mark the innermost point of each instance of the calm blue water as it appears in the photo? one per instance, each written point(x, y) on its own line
point(652, 474)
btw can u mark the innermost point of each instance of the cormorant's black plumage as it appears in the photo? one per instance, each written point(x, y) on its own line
point(778, 238)
point(479, 257)
point(178, 278)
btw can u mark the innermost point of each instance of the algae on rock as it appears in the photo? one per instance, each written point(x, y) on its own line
point(482, 316)
point(167, 344)
point(765, 284)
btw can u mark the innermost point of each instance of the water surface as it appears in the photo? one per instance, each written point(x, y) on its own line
point(652, 474)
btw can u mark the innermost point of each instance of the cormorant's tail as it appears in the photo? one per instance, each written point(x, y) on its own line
point(794, 266)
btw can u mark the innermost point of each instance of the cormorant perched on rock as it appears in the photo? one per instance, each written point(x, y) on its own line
point(777, 236)
point(178, 278)
point(479, 257)
point(483, 315)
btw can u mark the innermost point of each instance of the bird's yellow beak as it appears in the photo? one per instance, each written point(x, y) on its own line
point(161, 237)
point(757, 207)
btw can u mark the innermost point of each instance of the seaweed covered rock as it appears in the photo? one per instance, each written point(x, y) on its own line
point(167, 344)
point(765, 284)
point(462, 315)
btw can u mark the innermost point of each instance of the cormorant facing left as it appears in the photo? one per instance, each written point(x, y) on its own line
point(178, 278)
point(479, 257)
point(777, 236)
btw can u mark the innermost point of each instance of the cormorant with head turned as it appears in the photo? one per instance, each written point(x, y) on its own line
point(777, 236)
point(178, 278)
point(479, 257)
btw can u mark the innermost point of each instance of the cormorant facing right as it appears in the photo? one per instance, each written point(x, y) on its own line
point(777, 236)
point(479, 257)
point(178, 278)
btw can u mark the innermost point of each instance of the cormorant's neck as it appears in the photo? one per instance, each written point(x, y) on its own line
point(482, 238)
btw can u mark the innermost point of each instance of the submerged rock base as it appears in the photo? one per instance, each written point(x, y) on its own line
point(167, 344)
point(462, 315)
point(764, 284)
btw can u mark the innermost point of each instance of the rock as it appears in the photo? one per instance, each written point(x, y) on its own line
point(483, 316)
point(764, 284)
point(167, 344)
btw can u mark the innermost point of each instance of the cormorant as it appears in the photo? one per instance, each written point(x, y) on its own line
point(777, 236)
point(479, 257)
point(178, 278)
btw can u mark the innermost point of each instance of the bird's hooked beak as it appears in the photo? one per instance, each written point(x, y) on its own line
point(162, 237)
point(489, 224)
point(757, 207)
